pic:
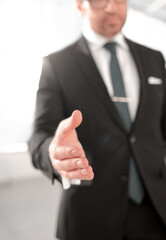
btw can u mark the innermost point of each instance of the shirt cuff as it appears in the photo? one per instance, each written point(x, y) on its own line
point(67, 183)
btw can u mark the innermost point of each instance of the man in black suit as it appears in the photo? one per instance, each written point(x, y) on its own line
point(114, 176)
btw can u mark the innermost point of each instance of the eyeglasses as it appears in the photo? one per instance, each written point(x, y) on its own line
point(101, 4)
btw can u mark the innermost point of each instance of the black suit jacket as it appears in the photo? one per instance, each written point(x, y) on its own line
point(70, 80)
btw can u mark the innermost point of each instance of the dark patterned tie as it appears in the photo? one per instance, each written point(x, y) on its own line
point(136, 191)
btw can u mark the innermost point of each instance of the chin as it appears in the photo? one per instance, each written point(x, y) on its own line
point(111, 32)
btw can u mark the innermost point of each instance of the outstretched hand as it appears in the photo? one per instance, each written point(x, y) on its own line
point(66, 153)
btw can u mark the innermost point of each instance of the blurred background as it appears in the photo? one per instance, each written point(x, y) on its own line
point(29, 30)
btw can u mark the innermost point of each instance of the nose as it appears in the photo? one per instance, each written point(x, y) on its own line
point(110, 6)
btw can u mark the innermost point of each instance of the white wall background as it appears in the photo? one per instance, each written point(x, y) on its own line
point(146, 30)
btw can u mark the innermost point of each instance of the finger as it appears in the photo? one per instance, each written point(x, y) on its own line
point(83, 174)
point(62, 153)
point(72, 164)
point(70, 123)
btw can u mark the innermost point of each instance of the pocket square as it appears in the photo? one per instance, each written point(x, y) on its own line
point(154, 80)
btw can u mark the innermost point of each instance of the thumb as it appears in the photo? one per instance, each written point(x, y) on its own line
point(76, 119)
point(72, 122)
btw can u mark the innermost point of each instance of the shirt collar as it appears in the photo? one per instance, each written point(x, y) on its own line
point(97, 41)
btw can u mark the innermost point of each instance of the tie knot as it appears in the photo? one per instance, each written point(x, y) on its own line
point(111, 46)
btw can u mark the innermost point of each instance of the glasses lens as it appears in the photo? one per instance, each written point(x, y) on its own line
point(120, 1)
point(98, 4)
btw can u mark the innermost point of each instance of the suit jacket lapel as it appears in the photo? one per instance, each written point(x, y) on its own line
point(136, 54)
point(95, 81)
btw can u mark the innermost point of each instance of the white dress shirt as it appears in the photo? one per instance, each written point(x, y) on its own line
point(102, 58)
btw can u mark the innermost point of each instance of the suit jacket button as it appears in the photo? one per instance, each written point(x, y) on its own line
point(124, 178)
point(132, 139)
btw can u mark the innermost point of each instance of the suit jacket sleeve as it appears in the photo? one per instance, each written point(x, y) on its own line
point(164, 106)
point(49, 112)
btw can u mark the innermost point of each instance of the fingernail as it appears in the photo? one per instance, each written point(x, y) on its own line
point(84, 172)
point(75, 153)
point(80, 164)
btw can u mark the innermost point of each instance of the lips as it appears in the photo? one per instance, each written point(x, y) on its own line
point(112, 18)
point(113, 22)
